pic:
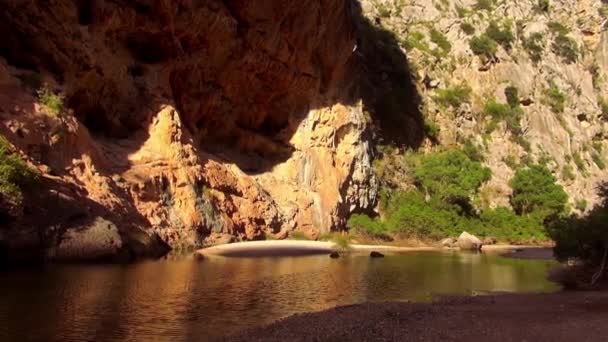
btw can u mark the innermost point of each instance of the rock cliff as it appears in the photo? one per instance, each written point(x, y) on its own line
point(474, 60)
point(177, 123)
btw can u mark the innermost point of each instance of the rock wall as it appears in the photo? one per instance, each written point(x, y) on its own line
point(571, 142)
point(184, 123)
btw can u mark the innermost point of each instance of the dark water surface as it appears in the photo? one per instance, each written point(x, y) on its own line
point(189, 300)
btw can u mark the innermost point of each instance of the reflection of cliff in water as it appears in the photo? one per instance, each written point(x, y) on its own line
point(186, 299)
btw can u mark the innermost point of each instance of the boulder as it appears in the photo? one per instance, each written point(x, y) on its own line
point(468, 242)
point(97, 240)
point(448, 242)
point(375, 254)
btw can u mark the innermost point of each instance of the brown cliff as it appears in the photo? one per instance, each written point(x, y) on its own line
point(185, 123)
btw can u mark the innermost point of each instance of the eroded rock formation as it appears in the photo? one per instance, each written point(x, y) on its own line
point(185, 122)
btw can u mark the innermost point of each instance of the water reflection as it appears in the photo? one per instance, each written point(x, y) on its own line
point(181, 300)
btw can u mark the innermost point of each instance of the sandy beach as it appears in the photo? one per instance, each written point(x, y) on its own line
point(304, 247)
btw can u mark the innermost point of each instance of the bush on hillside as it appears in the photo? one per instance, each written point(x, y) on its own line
point(555, 99)
point(441, 41)
point(454, 96)
point(502, 34)
point(566, 48)
point(14, 173)
point(51, 100)
point(512, 95)
point(535, 46)
point(485, 5)
point(450, 175)
point(535, 190)
point(467, 28)
point(542, 6)
point(483, 46)
point(431, 129)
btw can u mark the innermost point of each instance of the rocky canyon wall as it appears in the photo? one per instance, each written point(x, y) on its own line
point(184, 123)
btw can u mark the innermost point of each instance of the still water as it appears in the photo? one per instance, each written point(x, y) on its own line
point(190, 300)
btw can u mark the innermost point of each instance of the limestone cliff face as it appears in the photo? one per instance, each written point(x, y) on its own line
point(562, 91)
point(184, 123)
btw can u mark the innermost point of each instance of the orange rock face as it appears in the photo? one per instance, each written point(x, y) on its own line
point(185, 123)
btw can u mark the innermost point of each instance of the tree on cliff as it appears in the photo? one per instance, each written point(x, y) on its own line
point(535, 190)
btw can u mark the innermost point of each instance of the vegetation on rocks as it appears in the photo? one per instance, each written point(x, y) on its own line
point(535, 190)
point(483, 46)
point(51, 100)
point(454, 96)
point(442, 204)
point(584, 237)
point(14, 173)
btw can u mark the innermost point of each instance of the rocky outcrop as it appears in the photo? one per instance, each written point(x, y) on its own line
point(561, 93)
point(184, 124)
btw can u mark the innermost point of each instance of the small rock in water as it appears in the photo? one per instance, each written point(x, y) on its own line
point(334, 255)
point(375, 254)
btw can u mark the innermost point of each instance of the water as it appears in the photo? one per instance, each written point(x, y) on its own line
point(186, 299)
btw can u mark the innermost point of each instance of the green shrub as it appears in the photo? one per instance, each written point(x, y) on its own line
point(558, 28)
point(578, 161)
point(411, 214)
point(535, 190)
point(472, 151)
point(585, 238)
point(341, 240)
point(417, 40)
point(363, 223)
point(542, 6)
point(431, 129)
point(383, 10)
point(523, 142)
point(506, 225)
point(483, 46)
point(568, 173)
point(511, 162)
point(599, 161)
point(462, 12)
point(450, 175)
point(54, 102)
point(535, 46)
point(485, 5)
point(503, 112)
point(501, 34)
point(555, 99)
point(581, 204)
point(14, 173)
point(566, 48)
point(454, 96)
point(467, 28)
point(441, 41)
point(497, 110)
point(604, 108)
point(512, 95)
